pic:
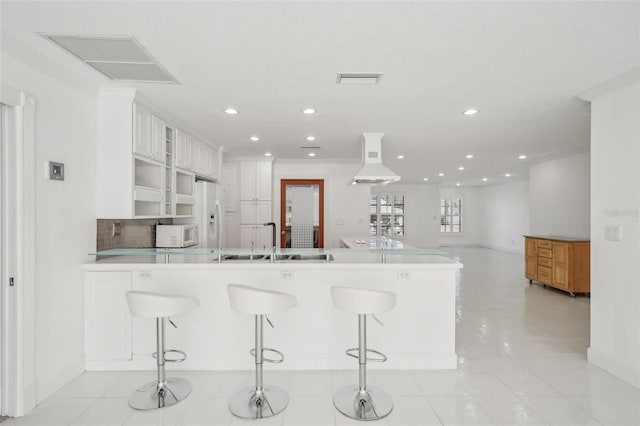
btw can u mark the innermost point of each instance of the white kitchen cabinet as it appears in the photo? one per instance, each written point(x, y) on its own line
point(142, 139)
point(255, 236)
point(255, 212)
point(107, 318)
point(230, 186)
point(255, 203)
point(184, 154)
point(203, 152)
point(138, 155)
point(185, 193)
point(215, 160)
point(230, 230)
point(255, 180)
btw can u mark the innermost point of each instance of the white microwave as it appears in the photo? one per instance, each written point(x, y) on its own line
point(171, 236)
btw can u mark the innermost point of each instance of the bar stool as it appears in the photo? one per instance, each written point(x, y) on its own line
point(259, 401)
point(162, 392)
point(363, 402)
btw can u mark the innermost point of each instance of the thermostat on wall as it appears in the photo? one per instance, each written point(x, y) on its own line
point(56, 171)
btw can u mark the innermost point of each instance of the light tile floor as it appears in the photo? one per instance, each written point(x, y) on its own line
point(522, 360)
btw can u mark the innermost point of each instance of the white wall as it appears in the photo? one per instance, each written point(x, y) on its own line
point(65, 222)
point(615, 201)
point(472, 221)
point(559, 197)
point(346, 206)
point(505, 216)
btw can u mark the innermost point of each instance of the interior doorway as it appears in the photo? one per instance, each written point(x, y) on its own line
point(302, 213)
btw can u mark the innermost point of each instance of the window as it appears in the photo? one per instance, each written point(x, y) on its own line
point(386, 215)
point(451, 215)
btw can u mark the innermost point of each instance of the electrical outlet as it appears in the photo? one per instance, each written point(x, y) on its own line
point(405, 275)
point(144, 275)
point(612, 233)
point(287, 275)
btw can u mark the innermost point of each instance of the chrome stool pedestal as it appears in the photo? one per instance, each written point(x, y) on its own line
point(259, 401)
point(162, 392)
point(363, 402)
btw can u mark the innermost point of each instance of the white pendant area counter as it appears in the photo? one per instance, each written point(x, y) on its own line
point(419, 333)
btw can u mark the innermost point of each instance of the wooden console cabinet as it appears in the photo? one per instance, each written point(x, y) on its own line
point(559, 262)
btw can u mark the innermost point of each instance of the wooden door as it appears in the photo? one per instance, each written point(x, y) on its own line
point(285, 210)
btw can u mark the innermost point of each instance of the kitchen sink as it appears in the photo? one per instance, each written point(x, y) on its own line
point(245, 257)
point(312, 257)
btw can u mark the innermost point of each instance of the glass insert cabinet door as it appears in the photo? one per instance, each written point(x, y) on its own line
point(302, 213)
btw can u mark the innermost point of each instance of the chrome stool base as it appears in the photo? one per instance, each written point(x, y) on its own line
point(152, 396)
point(252, 404)
point(369, 404)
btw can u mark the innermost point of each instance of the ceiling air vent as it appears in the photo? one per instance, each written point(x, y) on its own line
point(359, 77)
point(116, 57)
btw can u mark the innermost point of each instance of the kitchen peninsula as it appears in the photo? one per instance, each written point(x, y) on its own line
point(419, 333)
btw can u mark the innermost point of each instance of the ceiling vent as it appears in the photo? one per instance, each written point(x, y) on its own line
point(372, 171)
point(359, 77)
point(116, 57)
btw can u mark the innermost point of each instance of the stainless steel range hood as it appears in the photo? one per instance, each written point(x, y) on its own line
point(372, 171)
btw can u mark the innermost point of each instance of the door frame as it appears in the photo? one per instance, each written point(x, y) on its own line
point(17, 220)
point(283, 207)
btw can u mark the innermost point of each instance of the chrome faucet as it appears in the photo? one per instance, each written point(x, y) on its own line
point(273, 239)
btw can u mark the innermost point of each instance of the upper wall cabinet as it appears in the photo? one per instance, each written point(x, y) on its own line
point(255, 180)
point(197, 156)
point(138, 158)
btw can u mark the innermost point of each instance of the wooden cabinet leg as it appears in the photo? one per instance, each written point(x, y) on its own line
point(572, 294)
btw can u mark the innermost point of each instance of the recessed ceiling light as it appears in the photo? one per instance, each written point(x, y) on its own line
point(440, 174)
point(254, 138)
point(461, 168)
point(425, 179)
point(267, 154)
point(311, 154)
point(522, 157)
point(469, 155)
point(308, 111)
point(484, 179)
point(311, 138)
point(470, 111)
point(457, 183)
point(231, 111)
point(400, 157)
point(507, 175)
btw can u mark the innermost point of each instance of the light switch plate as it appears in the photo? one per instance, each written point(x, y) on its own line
point(56, 171)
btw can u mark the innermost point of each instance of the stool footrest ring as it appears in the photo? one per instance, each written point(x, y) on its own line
point(272, 360)
point(173, 351)
point(382, 357)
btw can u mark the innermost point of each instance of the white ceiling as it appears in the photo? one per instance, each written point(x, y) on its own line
point(522, 64)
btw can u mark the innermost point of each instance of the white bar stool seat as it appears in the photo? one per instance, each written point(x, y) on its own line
point(162, 392)
point(259, 401)
point(363, 402)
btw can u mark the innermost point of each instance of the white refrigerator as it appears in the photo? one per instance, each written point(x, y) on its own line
point(208, 214)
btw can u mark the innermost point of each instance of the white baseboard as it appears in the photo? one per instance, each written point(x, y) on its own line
point(506, 249)
point(630, 373)
point(405, 361)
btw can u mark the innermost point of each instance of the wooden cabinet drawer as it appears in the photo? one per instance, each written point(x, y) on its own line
point(544, 252)
point(545, 244)
point(545, 261)
point(544, 274)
